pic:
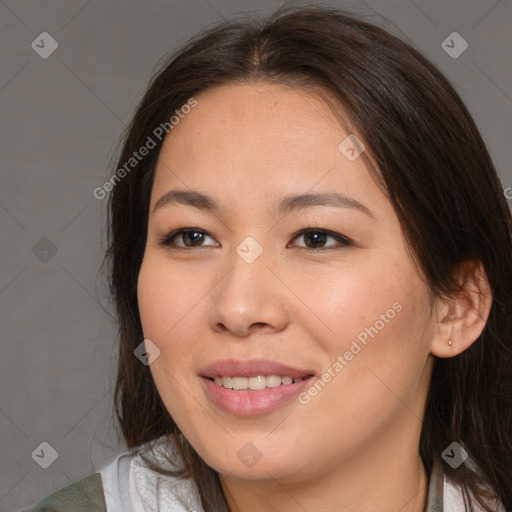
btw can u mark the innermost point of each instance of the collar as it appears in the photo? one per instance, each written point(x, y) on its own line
point(434, 501)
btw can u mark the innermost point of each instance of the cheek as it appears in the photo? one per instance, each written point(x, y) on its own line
point(378, 323)
point(149, 292)
point(167, 303)
point(166, 299)
point(348, 304)
point(171, 305)
point(385, 354)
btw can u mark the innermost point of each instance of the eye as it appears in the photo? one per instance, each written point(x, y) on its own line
point(190, 237)
point(314, 237)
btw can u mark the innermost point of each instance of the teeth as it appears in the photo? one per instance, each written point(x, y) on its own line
point(273, 381)
point(255, 383)
point(227, 383)
point(240, 382)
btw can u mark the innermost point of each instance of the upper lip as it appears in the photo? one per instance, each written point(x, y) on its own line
point(251, 368)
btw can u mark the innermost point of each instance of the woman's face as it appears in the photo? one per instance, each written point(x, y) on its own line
point(243, 291)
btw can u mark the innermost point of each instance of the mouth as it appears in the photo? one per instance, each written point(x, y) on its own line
point(231, 368)
point(257, 382)
point(255, 387)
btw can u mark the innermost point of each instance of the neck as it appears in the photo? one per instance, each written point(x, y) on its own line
point(377, 481)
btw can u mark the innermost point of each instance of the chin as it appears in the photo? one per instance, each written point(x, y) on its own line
point(249, 463)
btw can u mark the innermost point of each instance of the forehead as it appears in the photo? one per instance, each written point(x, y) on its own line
point(253, 140)
point(237, 112)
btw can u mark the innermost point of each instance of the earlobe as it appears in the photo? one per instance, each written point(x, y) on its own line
point(461, 318)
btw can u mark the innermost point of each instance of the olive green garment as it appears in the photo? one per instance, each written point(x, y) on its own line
point(86, 495)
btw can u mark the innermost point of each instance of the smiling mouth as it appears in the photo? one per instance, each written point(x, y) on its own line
point(253, 387)
point(257, 382)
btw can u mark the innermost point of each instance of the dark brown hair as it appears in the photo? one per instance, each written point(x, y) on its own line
point(439, 178)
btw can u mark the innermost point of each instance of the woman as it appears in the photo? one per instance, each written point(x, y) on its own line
point(310, 257)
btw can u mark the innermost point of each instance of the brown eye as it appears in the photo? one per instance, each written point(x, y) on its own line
point(189, 237)
point(316, 239)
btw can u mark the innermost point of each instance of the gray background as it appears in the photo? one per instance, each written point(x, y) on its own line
point(61, 119)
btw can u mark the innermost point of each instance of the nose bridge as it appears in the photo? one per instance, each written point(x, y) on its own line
point(247, 295)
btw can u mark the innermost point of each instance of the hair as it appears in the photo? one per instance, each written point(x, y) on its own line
point(440, 180)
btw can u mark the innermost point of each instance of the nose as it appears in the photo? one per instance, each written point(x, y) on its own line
point(249, 299)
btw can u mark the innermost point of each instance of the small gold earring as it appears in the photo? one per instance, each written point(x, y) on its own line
point(450, 343)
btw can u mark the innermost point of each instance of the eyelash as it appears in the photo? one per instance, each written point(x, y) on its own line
point(167, 240)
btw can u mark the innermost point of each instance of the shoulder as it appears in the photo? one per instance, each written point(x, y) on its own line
point(86, 495)
point(129, 484)
point(125, 484)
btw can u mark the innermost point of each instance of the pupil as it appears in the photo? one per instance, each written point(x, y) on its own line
point(194, 237)
point(317, 238)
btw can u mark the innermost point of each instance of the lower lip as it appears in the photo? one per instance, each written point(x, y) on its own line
point(253, 403)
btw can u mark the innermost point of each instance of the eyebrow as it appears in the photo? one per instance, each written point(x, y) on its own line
point(286, 205)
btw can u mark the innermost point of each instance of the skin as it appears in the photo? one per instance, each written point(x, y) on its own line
point(354, 446)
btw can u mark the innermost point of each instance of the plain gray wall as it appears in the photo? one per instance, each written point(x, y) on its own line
point(61, 118)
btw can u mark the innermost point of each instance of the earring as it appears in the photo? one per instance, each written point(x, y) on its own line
point(450, 343)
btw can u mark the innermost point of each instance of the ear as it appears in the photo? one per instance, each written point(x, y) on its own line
point(461, 317)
